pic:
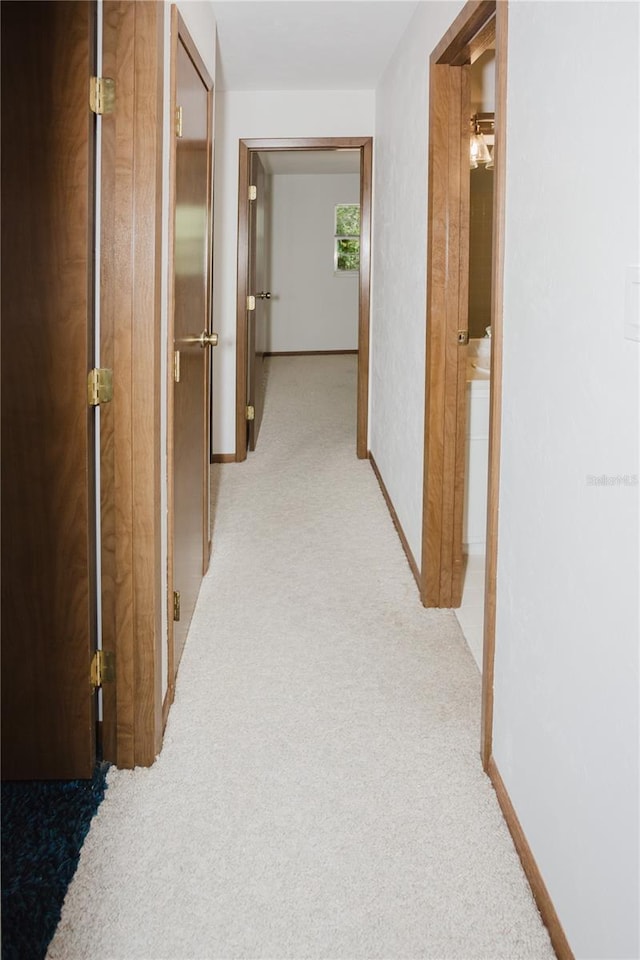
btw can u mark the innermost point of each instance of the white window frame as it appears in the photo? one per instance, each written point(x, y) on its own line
point(344, 236)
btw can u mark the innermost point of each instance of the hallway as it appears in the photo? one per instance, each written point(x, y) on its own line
point(320, 792)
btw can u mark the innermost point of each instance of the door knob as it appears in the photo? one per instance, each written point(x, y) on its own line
point(208, 339)
point(204, 340)
point(263, 296)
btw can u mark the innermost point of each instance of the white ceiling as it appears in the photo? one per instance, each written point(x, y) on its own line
point(311, 161)
point(307, 44)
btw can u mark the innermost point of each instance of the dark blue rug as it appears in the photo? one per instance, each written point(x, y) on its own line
point(44, 823)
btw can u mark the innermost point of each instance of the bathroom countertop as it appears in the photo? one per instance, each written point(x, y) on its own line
point(475, 371)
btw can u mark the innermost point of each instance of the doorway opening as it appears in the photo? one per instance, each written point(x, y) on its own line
point(306, 274)
point(262, 331)
point(470, 612)
point(479, 28)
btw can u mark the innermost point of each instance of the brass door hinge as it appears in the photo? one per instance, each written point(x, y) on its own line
point(99, 386)
point(179, 122)
point(251, 412)
point(176, 605)
point(102, 95)
point(463, 337)
point(253, 192)
point(251, 303)
point(103, 668)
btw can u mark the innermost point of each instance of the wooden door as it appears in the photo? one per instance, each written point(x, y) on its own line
point(447, 322)
point(48, 586)
point(457, 390)
point(191, 285)
point(257, 318)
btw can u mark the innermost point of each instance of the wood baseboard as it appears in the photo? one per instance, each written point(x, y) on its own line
point(223, 458)
point(308, 353)
point(396, 522)
point(538, 888)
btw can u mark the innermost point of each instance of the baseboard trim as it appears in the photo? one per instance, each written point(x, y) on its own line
point(223, 458)
point(309, 353)
point(538, 888)
point(396, 522)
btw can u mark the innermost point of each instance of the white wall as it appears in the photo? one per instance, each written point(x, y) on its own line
point(482, 77)
point(399, 266)
point(240, 115)
point(566, 672)
point(566, 683)
point(312, 308)
point(200, 22)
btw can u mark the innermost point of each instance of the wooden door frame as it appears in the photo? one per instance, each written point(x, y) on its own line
point(260, 208)
point(365, 145)
point(131, 237)
point(463, 42)
point(179, 32)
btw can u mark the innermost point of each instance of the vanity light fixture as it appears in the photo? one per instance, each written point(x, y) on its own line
point(478, 150)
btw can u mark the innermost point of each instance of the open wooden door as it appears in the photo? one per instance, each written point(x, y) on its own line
point(448, 300)
point(479, 24)
point(442, 567)
point(192, 336)
point(48, 581)
point(258, 306)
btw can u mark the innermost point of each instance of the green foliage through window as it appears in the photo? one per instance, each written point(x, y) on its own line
point(347, 238)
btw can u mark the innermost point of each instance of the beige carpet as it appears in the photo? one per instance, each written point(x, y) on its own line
point(319, 794)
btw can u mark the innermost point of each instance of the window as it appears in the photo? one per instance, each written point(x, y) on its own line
point(346, 253)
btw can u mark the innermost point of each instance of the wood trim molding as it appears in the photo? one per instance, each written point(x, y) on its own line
point(121, 21)
point(366, 188)
point(132, 291)
point(306, 143)
point(223, 458)
point(310, 353)
point(171, 243)
point(454, 46)
point(396, 522)
point(147, 288)
point(244, 168)
point(495, 401)
point(530, 867)
point(365, 145)
point(478, 44)
point(108, 319)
